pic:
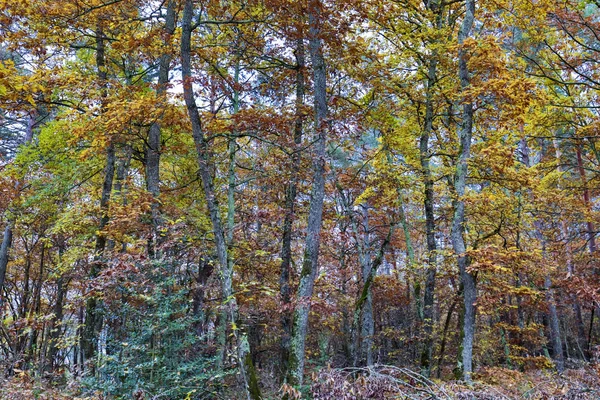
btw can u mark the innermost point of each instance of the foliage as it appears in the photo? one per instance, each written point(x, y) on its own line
point(158, 212)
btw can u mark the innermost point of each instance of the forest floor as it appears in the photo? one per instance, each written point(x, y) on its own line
point(384, 382)
point(380, 383)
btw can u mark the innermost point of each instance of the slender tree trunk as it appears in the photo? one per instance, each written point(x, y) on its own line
point(581, 340)
point(154, 136)
point(122, 164)
point(290, 202)
point(554, 325)
point(315, 213)
point(552, 312)
point(428, 299)
point(590, 231)
point(55, 324)
point(363, 324)
point(93, 318)
point(458, 222)
point(367, 330)
point(4, 252)
point(204, 163)
point(363, 303)
point(205, 270)
point(36, 307)
point(231, 183)
point(440, 359)
point(204, 166)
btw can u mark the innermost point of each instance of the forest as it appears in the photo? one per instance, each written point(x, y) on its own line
point(299, 199)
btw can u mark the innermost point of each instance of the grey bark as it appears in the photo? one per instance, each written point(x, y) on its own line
point(231, 183)
point(290, 203)
point(581, 339)
point(552, 311)
point(367, 322)
point(363, 310)
point(442, 352)
point(154, 137)
point(122, 164)
point(458, 222)
point(363, 327)
point(93, 318)
point(557, 345)
point(315, 213)
point(55, 323)
point(204, 164)
point(4, 252)
point(428, 298)
point(204, 170)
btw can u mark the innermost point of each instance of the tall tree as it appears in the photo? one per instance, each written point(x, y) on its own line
point(153, 149)
point(290, 204)
point(310, 263)
point(93, 318)
point(460, 179)
point(204, 167)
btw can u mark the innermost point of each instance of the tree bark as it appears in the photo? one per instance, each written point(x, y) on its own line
point(428, 298)
point(458, 222)
point(55, 324)
point(93, 319)
point(564, 229)
point(364, 307)
point(154, 137)
point(290, 202)
point(557, 346)
point(4, 253)
point(204, 167)
point(315, 213)
point(552, 312)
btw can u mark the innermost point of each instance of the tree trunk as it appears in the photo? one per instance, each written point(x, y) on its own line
point(35, 308)
point(590, 232)
point(315, 213)
point(554, 326)
point(122, 164)
point(154, 137)
point(204, 166)
point(440, 359)
point(363, 308)
point(428, 298)
point(55, 324)
point(93, 319)
point(290, 202)
point(4, 252)
point(458, 222)
point(363, 327)
point(564, 229)
point(552, 312)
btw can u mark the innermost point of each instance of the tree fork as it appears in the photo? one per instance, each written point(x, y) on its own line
point(204, 167)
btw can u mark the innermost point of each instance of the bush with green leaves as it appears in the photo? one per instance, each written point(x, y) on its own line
point(155, 351)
